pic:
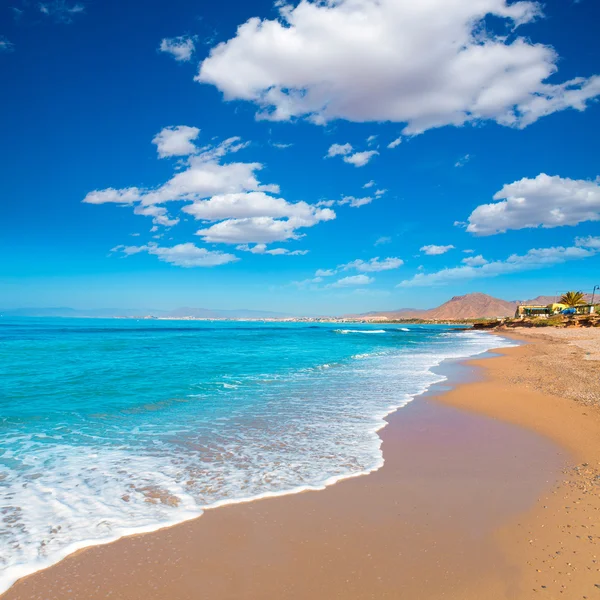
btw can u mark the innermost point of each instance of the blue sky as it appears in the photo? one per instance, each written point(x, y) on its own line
point(185, 154)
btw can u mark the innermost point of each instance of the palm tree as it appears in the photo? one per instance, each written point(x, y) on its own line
point(572, 298)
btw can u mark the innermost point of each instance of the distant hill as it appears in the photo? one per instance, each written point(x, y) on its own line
point(469, 306)
point(64, 311)
point(204, 313)
point(472, 306)
point(207, 313)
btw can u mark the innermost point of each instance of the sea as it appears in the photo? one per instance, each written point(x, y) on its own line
point(110, 427)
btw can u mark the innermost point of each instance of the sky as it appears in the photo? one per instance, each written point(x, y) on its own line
point(310, 158)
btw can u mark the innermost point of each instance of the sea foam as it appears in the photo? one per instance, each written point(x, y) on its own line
point(113, 433)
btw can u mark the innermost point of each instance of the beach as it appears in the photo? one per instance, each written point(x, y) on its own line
point(489, 490)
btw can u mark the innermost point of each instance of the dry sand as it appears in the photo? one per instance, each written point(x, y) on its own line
point(489, 491)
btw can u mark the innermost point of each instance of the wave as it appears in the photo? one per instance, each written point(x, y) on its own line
point(346, 331)
point(305, 433)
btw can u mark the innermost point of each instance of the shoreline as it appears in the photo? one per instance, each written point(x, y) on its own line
point(433, 400)
point(512, 557)
point(445, 370)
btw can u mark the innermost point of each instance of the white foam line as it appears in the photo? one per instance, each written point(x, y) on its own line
point(13, 574)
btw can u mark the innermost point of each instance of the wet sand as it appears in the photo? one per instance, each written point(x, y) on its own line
point(457, 512)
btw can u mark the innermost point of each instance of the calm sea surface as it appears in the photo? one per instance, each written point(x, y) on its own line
point(113, 426)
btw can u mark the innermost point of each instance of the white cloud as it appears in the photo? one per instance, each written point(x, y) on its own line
point(474, 261)
point(544, 201)
point(325, 272)
point(355, 202)
point(339, 150)
point(181, 47)
point(262, 249)
point(346, 151)
point(308, 283)
point(384, 239)
point(426, 64)
point(176, 141)
point(110, 195)
point(158, 213)
point(379, 193)
point(395, 143)
point(468, 251)
point(326, 203)
point(6, 45)
point(281, 146)
point(182, 255)
point(371, 139)
point(433, 250)
point(260, 230)
point(360, 159)
point(590, 242)
point(352, 281)
point(374, 265)
point(60, 10)
point(463, 160)
point(369, 184)
point(254, 204)
point(215, 190)
point(536, 258)
point(205, 175)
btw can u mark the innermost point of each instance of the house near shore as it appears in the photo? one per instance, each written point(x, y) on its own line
point(555, 308)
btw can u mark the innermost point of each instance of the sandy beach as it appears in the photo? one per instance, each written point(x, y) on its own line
point(489, 491)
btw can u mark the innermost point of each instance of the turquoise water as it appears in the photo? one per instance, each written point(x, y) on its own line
point(113, 426)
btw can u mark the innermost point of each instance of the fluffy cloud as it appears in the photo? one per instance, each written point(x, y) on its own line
point(262, 249)
point(544, 201)
point(395, 143)
point(369, 184)
point(111, 195)
point(181, 47)
point(426, 64)
point(355, 202)
point(254, 204)
point(433, 250)
point(536, 258)
point(325, 272)
point(60, 10)
point(216, 190)
point(360, 159)
point(346, 151)
point(176, 141)
point(260, 230)
point(588, 242)
point(352, 281)
point(183, 255)
point(373, 265)
point(339, 150)
point(474, 261)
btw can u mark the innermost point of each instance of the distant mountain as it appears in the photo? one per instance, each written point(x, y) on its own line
point(469, 306)
point(207, 313)
point(64, 311)
point(472, 306)
point(202, 313)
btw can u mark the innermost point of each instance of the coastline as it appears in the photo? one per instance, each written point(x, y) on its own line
point(379, 421)
point(314, 545)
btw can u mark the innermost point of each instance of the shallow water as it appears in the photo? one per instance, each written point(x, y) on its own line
point(114, 426)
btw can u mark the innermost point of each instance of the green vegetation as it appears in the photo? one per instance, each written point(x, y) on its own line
point(572, 298)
